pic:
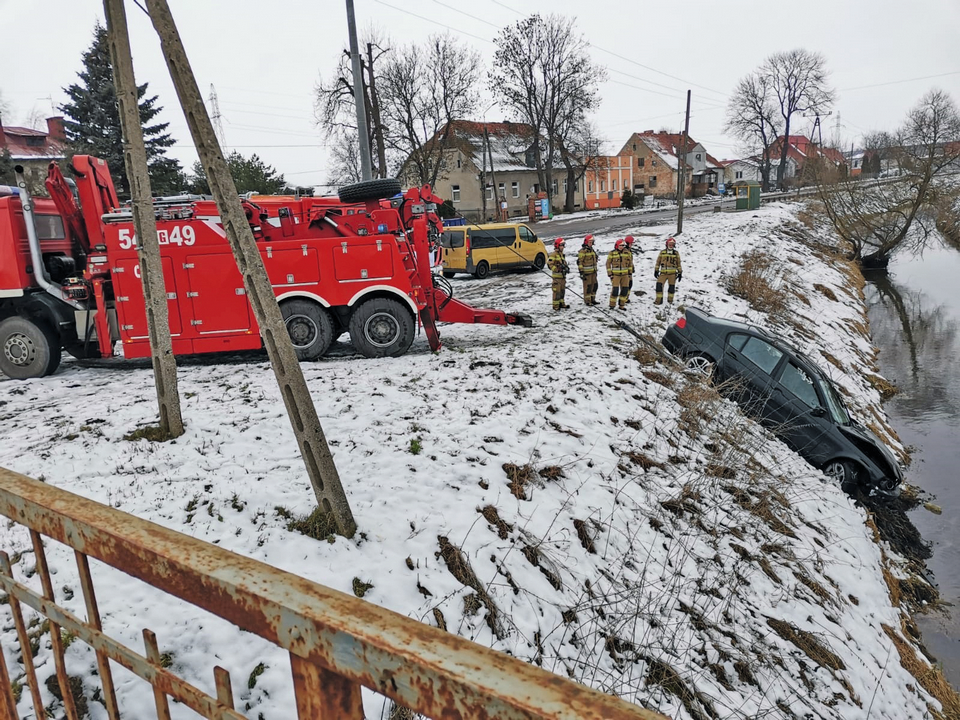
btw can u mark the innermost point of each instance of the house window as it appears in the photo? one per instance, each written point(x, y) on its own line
point(576, 186)
point(640, 162)
point(489, 191)
point(739, 174)
point(653, 181)
point(515, 187)
point(634, 147)
point(603, 186)
point(455, 191)
point(613, 185)
point(555, 188)
point(653, 163)
point(564, 186)
point(590, 186)
point(36, 141)
point(698, 156)
point(458, 163)
point(502, 189)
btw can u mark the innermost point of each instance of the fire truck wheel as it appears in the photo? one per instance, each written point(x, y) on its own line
point(309, 326)
point(381, 327)
point(483, 269)
point(27, 349)
point(369, 190)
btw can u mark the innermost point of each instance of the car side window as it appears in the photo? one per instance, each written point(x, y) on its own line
point(798, 383)
point(736, 340)
point(762, 354)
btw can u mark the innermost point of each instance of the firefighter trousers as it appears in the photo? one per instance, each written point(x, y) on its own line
point(620, 286)
point(590, 286)
point(559, 290)
point(670, 279)
point(629, 285)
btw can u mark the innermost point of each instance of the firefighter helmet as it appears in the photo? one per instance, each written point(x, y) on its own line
point(619, 245)
point(628, 240)
point(671, 243)
point(588, 240)
point(559, 243)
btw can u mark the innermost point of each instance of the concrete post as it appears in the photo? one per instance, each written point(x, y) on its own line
point(293, 388)
point(144, 221)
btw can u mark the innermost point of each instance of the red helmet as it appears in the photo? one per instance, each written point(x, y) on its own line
point(620, 245)
point(628, 240)
point(559, 242)
point(588, 240)
point(671, 243)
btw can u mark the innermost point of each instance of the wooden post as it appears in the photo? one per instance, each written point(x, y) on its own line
point(683, 168)
point(293, 388)
point(144, 221)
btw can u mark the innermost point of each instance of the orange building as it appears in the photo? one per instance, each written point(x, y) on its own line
point(606, 178)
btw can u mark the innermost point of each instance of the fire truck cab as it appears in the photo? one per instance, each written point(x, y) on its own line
point(70, 276)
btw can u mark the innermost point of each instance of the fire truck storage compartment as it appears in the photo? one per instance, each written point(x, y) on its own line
point(218, 300)
point(129, 296)
point(291, 267)
point(372, 260)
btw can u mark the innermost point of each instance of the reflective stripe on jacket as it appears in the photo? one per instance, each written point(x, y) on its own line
point(587, 260)
point(619, 262)
point(668, 261)
point(558, 265)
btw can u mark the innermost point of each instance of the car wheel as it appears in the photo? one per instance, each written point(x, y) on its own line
point(449, 273)
point(28, 349)
point(381, 327)
point(309, 327)
point(539, 261)
point(843, 471)
point(483, 269)
point(699, 364)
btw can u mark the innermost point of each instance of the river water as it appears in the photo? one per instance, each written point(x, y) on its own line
point(915, 321)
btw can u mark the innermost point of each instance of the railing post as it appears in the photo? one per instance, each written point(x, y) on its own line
point(323, 695)
point(8, 708)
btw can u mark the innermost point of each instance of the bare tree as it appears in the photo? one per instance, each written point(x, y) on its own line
point(544, 75)
point(344, 158)
point(880, 218)
point(6, 109)
point(798, 79)
point(423, 89)
point(753, 117)
point(579, 148)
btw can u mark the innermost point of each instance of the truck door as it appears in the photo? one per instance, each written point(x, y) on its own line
point(131, 307)
point(218, 301)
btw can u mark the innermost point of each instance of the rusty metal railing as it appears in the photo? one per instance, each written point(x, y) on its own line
point(336, 643)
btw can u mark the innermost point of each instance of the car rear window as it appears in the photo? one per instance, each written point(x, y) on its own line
point(799, 384)
point(762, 354)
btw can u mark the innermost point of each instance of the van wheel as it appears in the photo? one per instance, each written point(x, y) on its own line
point(539, 261)
point(483, 269)
point(449, 273)
point(28, 349)
point(309, 327)
point(381, 327)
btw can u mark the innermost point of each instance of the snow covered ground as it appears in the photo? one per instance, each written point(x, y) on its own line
point(656, 206)
point(628, 527)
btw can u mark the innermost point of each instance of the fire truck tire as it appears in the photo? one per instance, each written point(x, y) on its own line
point(28, 349)
point(309, 326)
point(369, 190)
point(382, 327)
point(483, 269)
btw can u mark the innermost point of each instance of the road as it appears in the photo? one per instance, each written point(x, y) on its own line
point(613, 222)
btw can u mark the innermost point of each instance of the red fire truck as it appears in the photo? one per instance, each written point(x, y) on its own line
point(359, 263)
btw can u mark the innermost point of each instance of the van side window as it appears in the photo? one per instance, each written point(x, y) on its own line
point(505, 237)
point(481, 239)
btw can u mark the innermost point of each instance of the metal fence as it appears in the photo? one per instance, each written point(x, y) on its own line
point(336, 643)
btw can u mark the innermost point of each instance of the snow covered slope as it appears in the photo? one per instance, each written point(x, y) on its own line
point(624, 525)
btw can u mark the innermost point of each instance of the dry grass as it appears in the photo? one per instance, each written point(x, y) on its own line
point(807, 643)
point(645, 355)
point(662, 674)
point(491, 515)
point(659, 378)
point(459, 567)
point(827, 292)
point(520, 476)
point(759, 281)
point(583, 533)
point(832, 360)
point(930, 677)
point(886, 388)
point(698, 401)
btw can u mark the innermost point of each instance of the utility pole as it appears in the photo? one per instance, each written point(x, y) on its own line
point(363, 136)
point(293, 388)
point(375, 112)
point(493, 177)
point(683, 167)
point(144, 222)
point(217, 118)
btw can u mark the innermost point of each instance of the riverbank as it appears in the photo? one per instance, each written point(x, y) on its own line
point(622, 524)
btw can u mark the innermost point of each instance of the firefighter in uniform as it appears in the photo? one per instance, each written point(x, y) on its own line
point(619, 267)
point(667, 270)
point(587, 265)
point(629, 242)
point(559, 269)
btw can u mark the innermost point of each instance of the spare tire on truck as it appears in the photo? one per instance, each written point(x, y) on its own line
point(369, 190)
point(28, 349)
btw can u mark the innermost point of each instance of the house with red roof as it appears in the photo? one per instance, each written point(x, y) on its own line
point(800, 149)
point(34, 149)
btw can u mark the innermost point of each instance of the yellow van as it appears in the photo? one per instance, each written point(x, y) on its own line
point(478, 249)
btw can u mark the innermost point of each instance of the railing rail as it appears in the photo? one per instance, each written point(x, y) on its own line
point(336, 643)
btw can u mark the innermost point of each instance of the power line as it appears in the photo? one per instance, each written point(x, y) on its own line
point(472, 17)
point(431, 20)
point(660, 72)
point(897, 82)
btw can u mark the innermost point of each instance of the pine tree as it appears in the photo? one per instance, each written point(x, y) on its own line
point(249, 174)
point(92, 122)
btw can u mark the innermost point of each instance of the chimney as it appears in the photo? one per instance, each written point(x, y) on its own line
point(55, 130)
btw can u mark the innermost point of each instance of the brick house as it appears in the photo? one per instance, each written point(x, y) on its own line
point(655, 160)
point(34, 149)
point(514, 178)
point(800, 149)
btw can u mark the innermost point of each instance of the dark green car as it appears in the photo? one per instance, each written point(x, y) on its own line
point(786, 392)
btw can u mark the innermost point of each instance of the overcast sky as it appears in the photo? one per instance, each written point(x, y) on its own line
point(265, 58)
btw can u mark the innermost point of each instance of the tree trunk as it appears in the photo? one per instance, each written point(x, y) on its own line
point(785, 145)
